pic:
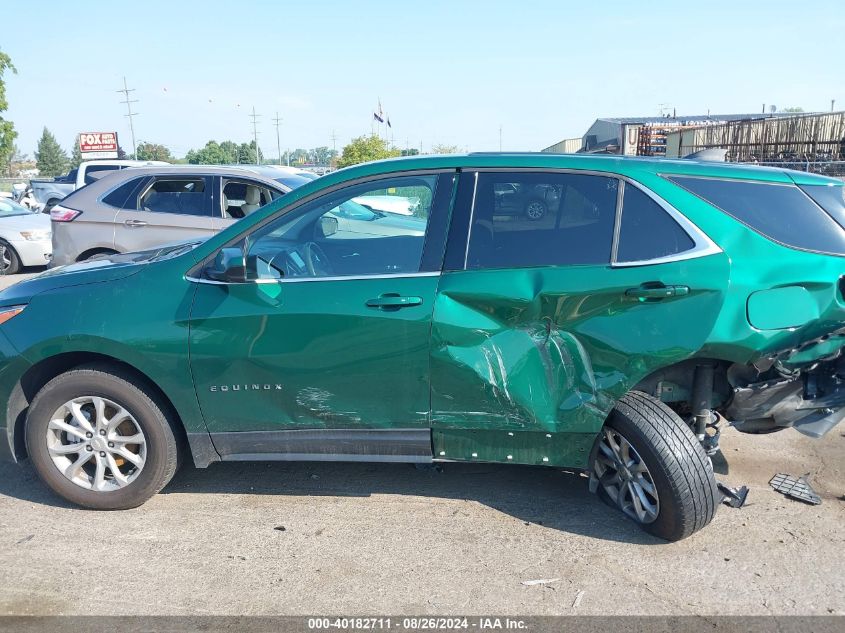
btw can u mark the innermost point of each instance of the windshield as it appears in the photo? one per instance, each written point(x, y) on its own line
point(291, 180)
point(10, 207)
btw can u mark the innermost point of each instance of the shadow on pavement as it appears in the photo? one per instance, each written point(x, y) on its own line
point(543, 496)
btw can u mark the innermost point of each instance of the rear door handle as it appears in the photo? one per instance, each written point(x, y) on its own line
point(133, 224)
point(648, 291)
point(392, 301)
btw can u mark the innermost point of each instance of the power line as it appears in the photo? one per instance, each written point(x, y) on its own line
point(126, 90)
point(255, 118)
point(277, 121)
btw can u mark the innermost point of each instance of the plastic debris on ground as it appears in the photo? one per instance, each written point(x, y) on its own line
point(734, 497)
point(797, 488)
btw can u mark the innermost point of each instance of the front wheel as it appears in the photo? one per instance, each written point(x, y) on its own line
point(648, 463)
point(99, 440)
point(10, 263)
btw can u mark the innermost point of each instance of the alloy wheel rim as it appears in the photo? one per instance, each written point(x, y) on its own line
point(6, 262)
point(535, 210)
point(625, 478)
point(96, 443)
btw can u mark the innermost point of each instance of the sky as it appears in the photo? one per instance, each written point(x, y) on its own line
point(446, 72)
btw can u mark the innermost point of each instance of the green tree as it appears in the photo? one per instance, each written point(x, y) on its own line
point(76, 155)
point(246, 154)
point(364, 149)
point(50, 158)
point(444, 149)
point(793, 109)
point(211, 154)
point(153, 151)
point(7, 128)
point(231, 152)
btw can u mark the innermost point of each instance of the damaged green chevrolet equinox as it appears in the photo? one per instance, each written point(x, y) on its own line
point(585, 312)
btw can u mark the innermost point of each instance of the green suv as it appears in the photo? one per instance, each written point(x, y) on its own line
point(650, 302)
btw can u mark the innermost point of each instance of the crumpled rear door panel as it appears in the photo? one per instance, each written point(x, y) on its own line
point(520, 356)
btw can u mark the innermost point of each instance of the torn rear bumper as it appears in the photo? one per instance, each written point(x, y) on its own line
point(812, 401)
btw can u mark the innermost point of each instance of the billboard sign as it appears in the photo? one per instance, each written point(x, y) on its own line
point(98, 144)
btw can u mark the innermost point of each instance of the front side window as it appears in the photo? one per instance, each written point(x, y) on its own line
point(241, 197)
point(336, 236)
point(183, 196)
point(781, 212)
point(541, 219)
point(647, 231)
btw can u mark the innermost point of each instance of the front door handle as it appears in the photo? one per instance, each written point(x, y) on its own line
point(134, 224)
point(393, 301)
point(655, 291)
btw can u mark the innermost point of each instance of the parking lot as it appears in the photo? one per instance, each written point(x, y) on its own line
point(297, 538)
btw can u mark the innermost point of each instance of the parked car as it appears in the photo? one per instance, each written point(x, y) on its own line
point(147, 206)
point(400, 205)
point(24, 236)
point(48, 193)
point(654, 301)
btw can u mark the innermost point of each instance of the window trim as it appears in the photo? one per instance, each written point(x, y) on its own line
point(702, 244)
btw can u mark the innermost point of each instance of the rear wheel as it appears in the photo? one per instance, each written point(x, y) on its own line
point(99, 440)
point(648, 463)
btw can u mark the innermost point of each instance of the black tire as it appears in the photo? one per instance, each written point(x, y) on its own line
point(536, 209)
point(677, 464)
point(123, 389)
point(14, 265)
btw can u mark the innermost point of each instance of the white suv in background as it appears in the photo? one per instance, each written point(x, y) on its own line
point(144, 207)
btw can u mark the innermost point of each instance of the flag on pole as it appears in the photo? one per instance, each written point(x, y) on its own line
point(388, 123)
point(378, 115)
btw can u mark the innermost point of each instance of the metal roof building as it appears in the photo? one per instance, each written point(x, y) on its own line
point(645, 136)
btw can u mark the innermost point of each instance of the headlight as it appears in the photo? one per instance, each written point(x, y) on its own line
point(36, 236)
point(9, 312)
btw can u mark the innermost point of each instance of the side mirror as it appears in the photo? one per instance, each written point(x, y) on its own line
point(327, 226)
point(229, 266)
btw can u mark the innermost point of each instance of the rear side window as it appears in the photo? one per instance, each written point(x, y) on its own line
point(536, 219)
point(183, 196)
point(831, 198)
point(124, 194)
point(782, 213)
point(647, 231)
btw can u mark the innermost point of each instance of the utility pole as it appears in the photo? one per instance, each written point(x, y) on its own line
point(334, 141)
point(832, 103)
point(126, 90)
point(255, 118)
point(277, 121)
point(500, 137)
